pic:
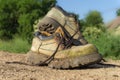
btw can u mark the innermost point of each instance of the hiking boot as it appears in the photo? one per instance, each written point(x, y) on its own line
point(59, 44)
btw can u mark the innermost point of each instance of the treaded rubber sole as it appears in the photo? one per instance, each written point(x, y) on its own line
point(33, 58)
point(75, 62)
point(64, 63)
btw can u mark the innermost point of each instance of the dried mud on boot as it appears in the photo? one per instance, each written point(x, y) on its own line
point(76, 62)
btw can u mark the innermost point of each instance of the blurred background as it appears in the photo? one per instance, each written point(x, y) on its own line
point(99, 22)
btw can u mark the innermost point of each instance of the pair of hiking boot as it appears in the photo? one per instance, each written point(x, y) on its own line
point(58, 42)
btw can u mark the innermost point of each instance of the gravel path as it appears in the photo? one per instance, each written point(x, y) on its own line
point(25, 72)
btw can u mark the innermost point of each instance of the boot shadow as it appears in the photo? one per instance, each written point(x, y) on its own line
point(97, 66)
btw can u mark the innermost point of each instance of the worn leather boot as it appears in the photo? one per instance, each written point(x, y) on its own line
point(59, 44)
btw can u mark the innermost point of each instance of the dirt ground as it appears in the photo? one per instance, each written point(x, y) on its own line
point(109, 71)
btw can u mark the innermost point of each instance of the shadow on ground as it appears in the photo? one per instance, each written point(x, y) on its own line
point(96, 66)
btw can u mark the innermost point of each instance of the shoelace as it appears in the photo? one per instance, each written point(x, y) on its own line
point(48, 60)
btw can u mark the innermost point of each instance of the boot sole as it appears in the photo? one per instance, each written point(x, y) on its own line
point(79, 61)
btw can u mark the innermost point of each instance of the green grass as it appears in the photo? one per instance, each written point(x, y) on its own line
point(16, 45)
point(107, 44)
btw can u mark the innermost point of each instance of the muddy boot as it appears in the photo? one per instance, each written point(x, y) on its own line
point(59, 44)
point(76, 56)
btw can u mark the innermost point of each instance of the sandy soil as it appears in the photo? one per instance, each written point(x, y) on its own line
point(108, 71)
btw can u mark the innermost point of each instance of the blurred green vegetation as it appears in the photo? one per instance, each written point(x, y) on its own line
point(17, 18)
point(108, 45)
point(16, 45)
point(118, 12)
point(96, 33)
